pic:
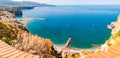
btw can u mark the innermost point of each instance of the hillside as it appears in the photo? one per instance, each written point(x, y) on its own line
point(20, 4)
point(12, 33)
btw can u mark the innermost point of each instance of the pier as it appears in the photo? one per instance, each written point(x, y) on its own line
point(68, 42)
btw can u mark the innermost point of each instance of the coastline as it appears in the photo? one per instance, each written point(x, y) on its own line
point(103, 47)
point(111, 42)
point(58, 47)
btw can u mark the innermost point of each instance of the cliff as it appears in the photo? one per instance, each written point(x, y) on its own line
point(111, 47)
point(23, 40)
point(115, 37)
point(14, 10)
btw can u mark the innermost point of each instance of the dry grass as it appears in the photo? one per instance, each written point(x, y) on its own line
point(31, 43)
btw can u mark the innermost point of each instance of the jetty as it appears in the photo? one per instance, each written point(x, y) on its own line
point(68, 42)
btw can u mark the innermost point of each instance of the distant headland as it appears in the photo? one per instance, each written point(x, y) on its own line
point(22, 5)
point(17, 7)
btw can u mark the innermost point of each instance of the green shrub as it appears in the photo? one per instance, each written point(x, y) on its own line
point(9, 41)
point(8, 33)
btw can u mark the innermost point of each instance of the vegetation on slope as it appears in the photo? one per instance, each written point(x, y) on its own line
point(8, 33)
point(35, 45)
point(13, 33)
point(25, 41)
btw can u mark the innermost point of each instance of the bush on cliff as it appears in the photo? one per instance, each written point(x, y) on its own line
point(8, 33)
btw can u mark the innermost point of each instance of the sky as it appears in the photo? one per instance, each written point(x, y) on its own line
point(77, 2)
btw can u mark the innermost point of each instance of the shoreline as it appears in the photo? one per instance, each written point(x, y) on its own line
point(66, 51)
point(59, 47)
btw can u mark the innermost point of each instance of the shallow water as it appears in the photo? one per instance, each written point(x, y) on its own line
point(86, 25)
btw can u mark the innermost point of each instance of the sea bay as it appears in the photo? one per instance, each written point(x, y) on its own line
point(86, 25)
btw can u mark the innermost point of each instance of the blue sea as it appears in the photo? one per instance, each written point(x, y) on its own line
point(86, 25)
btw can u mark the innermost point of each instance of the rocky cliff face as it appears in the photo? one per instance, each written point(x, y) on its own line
point(6, 16)
point(14, 10)
point(115, 34)
point(17, 13)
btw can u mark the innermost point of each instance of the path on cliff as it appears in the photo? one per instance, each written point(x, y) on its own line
point(7, 51)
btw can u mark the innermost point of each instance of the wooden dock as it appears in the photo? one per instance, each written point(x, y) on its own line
point(68, 42)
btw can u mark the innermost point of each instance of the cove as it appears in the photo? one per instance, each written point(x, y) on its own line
point(86, 25)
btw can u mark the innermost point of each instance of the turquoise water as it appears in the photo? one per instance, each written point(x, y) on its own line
point(86, 25)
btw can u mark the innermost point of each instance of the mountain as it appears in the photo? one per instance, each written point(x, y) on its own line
point(20, 4)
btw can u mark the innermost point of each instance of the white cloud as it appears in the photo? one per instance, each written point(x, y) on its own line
point(77, 2)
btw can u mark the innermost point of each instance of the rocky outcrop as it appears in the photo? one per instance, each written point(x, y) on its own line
point(6, 16)
point(14, 10)
point(17, 13)
point(115, 32)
